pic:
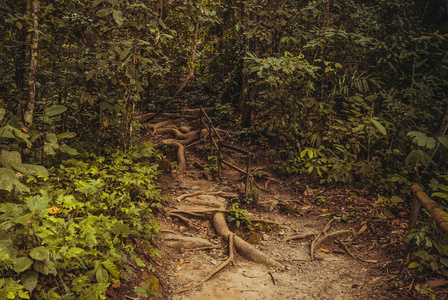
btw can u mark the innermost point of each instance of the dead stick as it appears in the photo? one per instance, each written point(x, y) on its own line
point(219, 268)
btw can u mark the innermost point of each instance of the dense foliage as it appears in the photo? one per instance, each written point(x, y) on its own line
point(351, 92)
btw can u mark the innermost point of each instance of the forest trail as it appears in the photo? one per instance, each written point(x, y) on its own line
point(347, 266)
point(330, 276)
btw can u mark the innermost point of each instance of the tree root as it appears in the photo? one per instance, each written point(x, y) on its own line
point(299, 236)
point(220, 193)
point(265, 221)
point(230, 238)
point(181, 162)
point(323, 235)
point(188, 222)
point(244, 248)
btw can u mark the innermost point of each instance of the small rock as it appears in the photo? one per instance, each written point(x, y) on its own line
point(281, 232)
point(265, 237)
point(195, 188)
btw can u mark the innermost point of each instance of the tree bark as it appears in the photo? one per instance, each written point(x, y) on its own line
point(29, 111)
point(437, 213)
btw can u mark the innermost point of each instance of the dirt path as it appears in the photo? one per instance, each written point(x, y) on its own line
point(339, 269)
point(331, 275)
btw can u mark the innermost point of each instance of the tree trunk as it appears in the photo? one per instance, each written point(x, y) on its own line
point(29, 111)
point(20, 59)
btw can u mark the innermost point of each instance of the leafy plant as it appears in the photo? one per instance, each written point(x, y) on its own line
point(239, 216)
point(82, 226)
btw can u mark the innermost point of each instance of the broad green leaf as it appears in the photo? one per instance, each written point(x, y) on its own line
point(444, 261)
point(22, 263)
point(413, 265)
point(29, 280)
point(7, 158)
point(54, 110)
point(37, 202)
point(28, 169)
point(67, 149)
point(14, 133)
point(380, 127)
point(49, 148)
point(118, 17)
point(423, 254)
point(139, 262)
point(396, 200)
point(101, 275)
point(443, 140)
point(52, 138)
point(40, 253)
point(122, 229)
point(9, 182)
point(66, 135)
point(45, 267)
point(112, 268)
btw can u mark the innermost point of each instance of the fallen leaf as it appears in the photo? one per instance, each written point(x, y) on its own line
point(116, 285)
point(54, 210)
point(324, 209)
point(177, 276)
point(324, 250)
point(363, 228)
point(437, 282)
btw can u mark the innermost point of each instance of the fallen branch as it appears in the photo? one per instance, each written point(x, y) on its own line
point(219, 268)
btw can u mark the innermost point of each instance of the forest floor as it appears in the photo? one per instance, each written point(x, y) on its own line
point(367, 263)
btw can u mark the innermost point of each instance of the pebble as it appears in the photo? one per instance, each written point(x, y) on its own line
point(265, 237)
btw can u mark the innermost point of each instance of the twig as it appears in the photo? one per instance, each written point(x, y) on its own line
point(219, 268)
point(272, 277)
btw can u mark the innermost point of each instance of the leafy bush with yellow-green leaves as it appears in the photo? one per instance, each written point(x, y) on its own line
point(68, 236)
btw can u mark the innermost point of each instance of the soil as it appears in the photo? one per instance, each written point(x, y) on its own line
point(368, 263)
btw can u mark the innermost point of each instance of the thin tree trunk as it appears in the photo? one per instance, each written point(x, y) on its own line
point(29, 111)
point(20, 58)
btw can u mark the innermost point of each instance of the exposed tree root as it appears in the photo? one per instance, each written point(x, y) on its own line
point(323, 235)
point(265, 221)
point(299, 236)
point(197, 201)
point(219, 268)
point(158, 125)
point(220, 193)
point(188, 222)
point(181, 162)
point(244, 248)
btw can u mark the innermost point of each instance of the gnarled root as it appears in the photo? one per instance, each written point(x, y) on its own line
point(245, 249)
point(181, 162)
